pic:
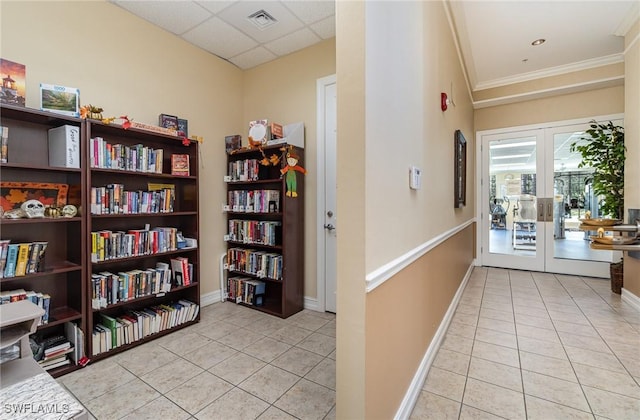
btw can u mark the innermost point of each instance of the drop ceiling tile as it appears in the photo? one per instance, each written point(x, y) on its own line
point(293, 42)
point(326, 28)
point(219, 38)
point(215, 6)
point(253, 58)
point(236, 15)
point(310, 11)
point(174, 16)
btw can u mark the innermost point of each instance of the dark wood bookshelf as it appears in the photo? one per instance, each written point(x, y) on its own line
point(184, 218)
point(284, 297)
point(64, 272)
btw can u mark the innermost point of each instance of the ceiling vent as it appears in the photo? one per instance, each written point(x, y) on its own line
point(262, 20)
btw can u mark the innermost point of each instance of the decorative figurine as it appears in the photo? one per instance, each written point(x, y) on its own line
point(34, 209)
point(289, 171)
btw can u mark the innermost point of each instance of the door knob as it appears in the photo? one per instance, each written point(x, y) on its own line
point(329, 227)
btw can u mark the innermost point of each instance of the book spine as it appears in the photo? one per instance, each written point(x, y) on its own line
point(4, 144)
point(23, 259)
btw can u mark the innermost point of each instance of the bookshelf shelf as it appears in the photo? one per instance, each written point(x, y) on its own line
point(175, 290)
point(118, 278)
point(61, 280)
point(283, 224)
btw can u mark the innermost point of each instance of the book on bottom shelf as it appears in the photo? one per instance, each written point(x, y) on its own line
point(137, 324)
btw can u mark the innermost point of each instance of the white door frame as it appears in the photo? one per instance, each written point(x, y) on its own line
point(320, 189)
point(480, 210)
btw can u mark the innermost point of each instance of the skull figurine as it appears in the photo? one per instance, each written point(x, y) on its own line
point(33, 208)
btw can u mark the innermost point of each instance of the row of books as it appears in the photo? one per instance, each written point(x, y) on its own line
point(110, 288)
point(257, 263)
point(4, 144)
point(256, 201)
point(255, 232)
point(137, 158)
point(20, 259)
point(246, 290)
point(244, 170)
point(107, 244)
point(43, 300)
point(59, 350)
point(113, 332)
point(113, 199)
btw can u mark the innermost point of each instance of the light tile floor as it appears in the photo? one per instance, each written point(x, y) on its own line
point(236, 363)
point(536, 346)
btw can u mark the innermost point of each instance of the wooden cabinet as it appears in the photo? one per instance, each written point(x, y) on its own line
point(27, 175)
point(265, 237)
point(141, 221)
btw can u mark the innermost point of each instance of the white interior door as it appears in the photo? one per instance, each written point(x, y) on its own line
point(327, 217)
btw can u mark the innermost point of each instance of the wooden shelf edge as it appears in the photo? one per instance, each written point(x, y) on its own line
point(147, 297)
point(602, 247)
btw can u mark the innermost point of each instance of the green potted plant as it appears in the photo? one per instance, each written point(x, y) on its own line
point(604, 151)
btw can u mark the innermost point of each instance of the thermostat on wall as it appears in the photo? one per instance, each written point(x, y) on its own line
point(415, 178)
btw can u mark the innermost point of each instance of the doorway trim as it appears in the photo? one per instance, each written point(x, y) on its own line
point(479, 162)
point(321, 83)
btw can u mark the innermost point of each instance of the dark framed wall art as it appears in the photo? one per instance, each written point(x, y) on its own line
point(460, 170)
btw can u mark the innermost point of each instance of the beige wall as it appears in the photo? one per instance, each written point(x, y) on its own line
point(389, 118)
point(405, 126)
point(351, 142)
point(403, 315)
point(284, 91)
point(588, 104)
point(632, 141)
point(128, 66)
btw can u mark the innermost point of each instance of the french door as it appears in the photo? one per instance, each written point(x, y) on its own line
point(533, 195)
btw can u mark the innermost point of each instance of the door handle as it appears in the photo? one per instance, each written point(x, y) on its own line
point(540, 209)
point(329, 227)
point(549, 216)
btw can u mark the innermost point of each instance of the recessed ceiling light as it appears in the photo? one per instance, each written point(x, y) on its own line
point(538, 42)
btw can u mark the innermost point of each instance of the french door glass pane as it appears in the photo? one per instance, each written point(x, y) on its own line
point(512, 196)
point(573, 199)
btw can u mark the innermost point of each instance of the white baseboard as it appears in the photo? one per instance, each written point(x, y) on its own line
point(631, 299)
point(412, 394)
point(209, 298)
point(311, 304)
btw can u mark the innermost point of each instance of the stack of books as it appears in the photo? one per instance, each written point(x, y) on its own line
point(54, 352)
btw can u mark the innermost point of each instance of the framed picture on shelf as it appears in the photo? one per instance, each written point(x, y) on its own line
point(60, 99)
point(168, 121)
point(460, 170)
point(232, 143)
point(13, 82)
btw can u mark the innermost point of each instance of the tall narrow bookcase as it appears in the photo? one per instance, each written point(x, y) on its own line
point(27, 174)
point(265, 237)
point(138, 215)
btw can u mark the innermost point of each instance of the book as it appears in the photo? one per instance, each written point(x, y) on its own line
point(180, 164)
point(168, 121)
point(112, 325)
point(46, 305)
point(177, 272)
point(64, 146)
point(183, 127)
point(4, 144)
point(232, 143)
point(12, 257)
point(4, 247)
point(22, 260)
point(276, 130)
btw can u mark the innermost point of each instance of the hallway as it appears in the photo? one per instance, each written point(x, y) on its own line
point(527, 345)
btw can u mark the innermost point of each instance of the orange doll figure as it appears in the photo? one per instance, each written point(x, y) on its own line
point(289, 171)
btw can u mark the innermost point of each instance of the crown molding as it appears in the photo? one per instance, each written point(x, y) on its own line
point(629, 20)
point(552, 71)
point(545, 93)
